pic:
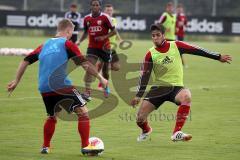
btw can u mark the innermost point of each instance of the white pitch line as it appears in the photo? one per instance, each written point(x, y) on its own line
point(18, 99)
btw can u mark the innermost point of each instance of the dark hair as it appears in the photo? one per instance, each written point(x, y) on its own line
point(100, 2)
point(108, 5)
point(73, 5)
point(158, 27)
point(169, 4)
point(180, 5)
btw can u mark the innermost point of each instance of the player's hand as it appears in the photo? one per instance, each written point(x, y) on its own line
point(11, 86)
point(225, 59)
point(121, 41)
point(77, 43)
point(135, 101)
point(100, 38)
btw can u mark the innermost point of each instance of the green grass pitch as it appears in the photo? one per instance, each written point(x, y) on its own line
point(214, 123)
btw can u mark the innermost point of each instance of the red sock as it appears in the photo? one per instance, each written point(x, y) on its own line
point(182, 114)
point(84, 129)
point(48, 130)
point(144, 126)
point(99, 85)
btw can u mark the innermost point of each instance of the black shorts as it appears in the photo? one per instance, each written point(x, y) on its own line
point(105, 56)
point(180, 38)
point(56, 102)
point(74, 38)
point(159, 94)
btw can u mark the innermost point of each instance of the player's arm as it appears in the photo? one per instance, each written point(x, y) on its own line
point(162, 19)
point(118, 36)
point(110, 34)
point(83, 37)
point(29, 59)
point(117, 33)
point(75, 54)
point(112, 28)
point(145, 75)
point(185, 48)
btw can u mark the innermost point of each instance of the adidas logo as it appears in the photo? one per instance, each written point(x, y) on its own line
point(167, 60)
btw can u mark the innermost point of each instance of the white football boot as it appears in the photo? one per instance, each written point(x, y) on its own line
point(180, 136)
point(143, 136)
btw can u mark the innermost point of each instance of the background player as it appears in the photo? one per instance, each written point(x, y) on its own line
point(165, 61)
point(75, 17)
point(168, 20)
point(53, 56)
point(181, 25)
point(109, 10)
point(97, 26)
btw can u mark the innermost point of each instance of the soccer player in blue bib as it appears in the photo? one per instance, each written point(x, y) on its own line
point(54, 85)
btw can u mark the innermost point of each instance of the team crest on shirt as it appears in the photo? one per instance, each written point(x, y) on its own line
point(88, 23)
point(99, 22)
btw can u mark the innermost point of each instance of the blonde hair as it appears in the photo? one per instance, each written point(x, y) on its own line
point(64, 24)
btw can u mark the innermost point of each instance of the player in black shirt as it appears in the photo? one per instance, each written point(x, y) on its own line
point(75, 17)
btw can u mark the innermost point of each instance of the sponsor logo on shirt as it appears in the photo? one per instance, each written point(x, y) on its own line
point(95, 29)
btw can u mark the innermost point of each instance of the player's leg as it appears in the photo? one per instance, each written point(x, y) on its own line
point(152, 101)
point(105, 70)
point(50, 122)
point(80, 108)
point(105, 56)
point(99, 67)
point(183, 98)
point(83, 124)
point(115, 65)
point(145, 109)
point(84, 131)
point(88, 78)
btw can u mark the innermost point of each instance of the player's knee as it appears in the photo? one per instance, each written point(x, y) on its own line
point(52, 119)
point(187, 99)
point(115, 67)
point(81, 111)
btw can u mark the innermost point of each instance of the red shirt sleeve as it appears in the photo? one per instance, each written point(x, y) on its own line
point(33, 56)
point(74, 53)
point(145, 74)
point(194, 50)
point(109, 22)
point(162, 19)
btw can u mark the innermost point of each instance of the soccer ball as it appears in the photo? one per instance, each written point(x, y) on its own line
point(98, 143)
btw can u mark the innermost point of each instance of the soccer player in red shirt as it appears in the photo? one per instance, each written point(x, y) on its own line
point(164, 61)
point(115, 65)
point(181, 24)
point(55, 86)
point(97, 26)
